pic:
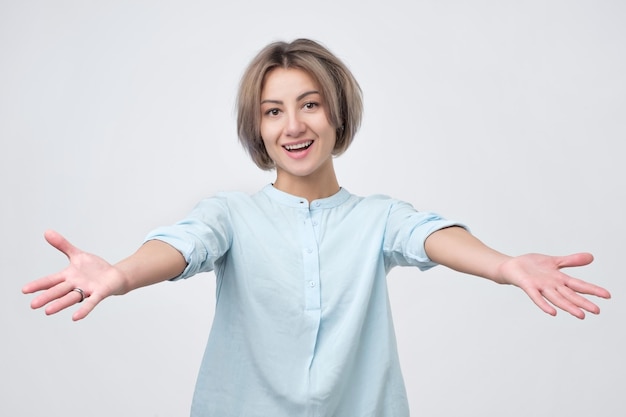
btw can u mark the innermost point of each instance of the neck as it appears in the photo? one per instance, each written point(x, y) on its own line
point(312, 187)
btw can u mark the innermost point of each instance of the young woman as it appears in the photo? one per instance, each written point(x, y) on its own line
point(302, 325)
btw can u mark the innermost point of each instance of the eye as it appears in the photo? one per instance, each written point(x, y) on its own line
point(310, 105)
point(272, 112)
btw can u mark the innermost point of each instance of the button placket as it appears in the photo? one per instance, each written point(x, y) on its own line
point(311, 265)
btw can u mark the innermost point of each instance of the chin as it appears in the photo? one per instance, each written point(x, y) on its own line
point(300, 172)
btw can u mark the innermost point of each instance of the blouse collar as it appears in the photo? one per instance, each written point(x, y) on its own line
point(300, 202)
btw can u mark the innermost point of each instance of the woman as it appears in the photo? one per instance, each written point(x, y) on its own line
point(302, 323)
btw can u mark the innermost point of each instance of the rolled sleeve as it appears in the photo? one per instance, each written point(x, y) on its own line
point(406, 233)
point(202, 238)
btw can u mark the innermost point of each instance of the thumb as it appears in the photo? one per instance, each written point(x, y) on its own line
point(576, 259)
point(59, 242)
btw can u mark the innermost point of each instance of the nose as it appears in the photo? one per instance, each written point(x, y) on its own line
point(295, 126)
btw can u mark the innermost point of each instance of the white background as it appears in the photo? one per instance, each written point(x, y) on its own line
point(118, 116)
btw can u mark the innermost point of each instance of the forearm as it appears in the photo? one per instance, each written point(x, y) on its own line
point(153, 262)
point(457, 249)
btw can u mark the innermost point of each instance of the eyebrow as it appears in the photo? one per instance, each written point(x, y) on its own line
point(300, 97)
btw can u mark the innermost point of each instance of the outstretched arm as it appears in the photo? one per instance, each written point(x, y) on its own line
point(538, 275)
point(153, 262)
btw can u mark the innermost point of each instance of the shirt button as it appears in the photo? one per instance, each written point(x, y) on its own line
point(317, 204)
point(311, 284)
point(314, 223)
point(309, 250)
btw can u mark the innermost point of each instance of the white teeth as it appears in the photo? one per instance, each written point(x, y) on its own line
point(299, 146)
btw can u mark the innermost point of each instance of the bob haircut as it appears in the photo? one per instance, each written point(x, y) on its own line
point(339, 89)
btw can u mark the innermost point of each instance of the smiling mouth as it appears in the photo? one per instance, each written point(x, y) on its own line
point(299, 146)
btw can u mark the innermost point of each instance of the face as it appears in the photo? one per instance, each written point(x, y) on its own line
point(294, 126)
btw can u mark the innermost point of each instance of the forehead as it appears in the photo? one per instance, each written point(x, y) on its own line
point(287, 81)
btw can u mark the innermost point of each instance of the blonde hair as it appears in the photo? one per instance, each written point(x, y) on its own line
point(339, 89)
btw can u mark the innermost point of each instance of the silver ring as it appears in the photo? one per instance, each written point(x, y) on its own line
point(81, 292)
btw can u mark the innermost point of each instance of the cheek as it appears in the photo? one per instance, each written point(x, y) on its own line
point(332, 136)
point(268, 132)
point(266, 143)
point(269, 141)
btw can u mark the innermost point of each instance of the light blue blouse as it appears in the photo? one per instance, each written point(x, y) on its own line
point(302, 324)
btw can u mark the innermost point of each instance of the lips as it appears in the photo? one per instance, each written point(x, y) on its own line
point(298, 147)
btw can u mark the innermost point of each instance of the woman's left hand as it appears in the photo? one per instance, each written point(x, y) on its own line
point(540, 277)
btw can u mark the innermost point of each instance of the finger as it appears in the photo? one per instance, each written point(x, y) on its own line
point(541, 302)
point(50, 295)
point(61, 303)
point(578, 300)
point(576, 259)
point(59, 242)
point(42, 283)
point(557, 299)
point(88, 305)
point(584, 287)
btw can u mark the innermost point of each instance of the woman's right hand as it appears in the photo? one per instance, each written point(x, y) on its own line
point(93, 276)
